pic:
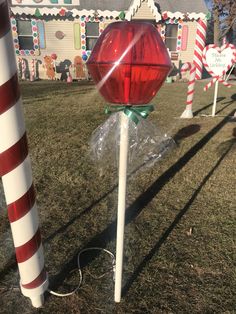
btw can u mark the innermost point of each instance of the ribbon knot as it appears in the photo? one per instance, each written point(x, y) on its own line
point(133, 112)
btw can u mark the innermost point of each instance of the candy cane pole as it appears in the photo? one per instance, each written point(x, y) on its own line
point(19, 68)
point(188, 66)
point(23, 64)
point(32, 72)
point(200, 43)
point(15, 170)
point(124, 143)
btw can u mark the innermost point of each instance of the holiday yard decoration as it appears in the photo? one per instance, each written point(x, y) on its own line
point(15, 170)
point(217, 61)
point(188, 66)
point(129, 63)
point(38, 27)
point(200, 43)
point(196, 67)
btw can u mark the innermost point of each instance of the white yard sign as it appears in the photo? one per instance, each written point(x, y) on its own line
point(217, 61)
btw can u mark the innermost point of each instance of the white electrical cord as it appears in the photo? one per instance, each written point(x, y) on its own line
point(80, 271)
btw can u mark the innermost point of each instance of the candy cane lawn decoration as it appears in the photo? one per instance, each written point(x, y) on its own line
point(188, 66)
point(199, 46)
point(197, 65)
point(217, 61)
point(15, 171)
point(23, 67)
point(32, 72)
point(19, 68)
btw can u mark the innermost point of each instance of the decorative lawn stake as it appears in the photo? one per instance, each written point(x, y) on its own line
point(197, 65)
point(217, 61)
point(188, 66)
point(200, 43)
point(129, 63)
point(23, 67)
point(15, 171)
point(32, 72)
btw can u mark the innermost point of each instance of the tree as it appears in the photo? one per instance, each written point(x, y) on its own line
point(224, 16)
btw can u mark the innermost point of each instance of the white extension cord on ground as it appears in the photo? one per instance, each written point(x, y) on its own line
point(80, 271)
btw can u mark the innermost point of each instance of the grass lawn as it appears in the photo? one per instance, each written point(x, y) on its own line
point(180, 239)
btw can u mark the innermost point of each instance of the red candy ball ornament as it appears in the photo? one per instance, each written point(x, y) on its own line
point(129, 63)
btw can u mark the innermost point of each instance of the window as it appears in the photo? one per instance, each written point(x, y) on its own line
point(171, 36)
point(25, 37)
point(92, 34)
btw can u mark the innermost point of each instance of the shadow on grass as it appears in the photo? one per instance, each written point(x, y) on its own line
point(207, 106)
point(181, 134)
point(222, 147)
point(177, 219)
point(228, 103)
point(109, 233)
point(186, 132)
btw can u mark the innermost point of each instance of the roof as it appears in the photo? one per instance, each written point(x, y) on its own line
point(103, 5)
point(107, 8)
point(184, 6)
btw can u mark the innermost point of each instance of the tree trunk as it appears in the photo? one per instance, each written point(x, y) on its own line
point(216, 26)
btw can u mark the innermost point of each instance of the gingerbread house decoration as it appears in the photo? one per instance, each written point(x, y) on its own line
point(54, 38)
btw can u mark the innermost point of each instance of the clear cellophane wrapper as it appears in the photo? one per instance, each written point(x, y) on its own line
point(147, 144)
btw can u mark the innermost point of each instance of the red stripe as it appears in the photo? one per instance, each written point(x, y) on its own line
point(191, 92)
point(189, 102)
point(199, 69)
point(37, 281)
point(22, 206)
point(9, 94)
point(5, 25)
point(200, 46)
point(197, 66)
point(203, 24)
point(27, 250)
point(196, 54)
point(13, 156)
point(201, 35)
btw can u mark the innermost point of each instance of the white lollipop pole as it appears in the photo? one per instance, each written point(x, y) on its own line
point(215, 98)
point(124, 144)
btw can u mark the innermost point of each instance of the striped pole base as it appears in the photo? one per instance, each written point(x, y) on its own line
point(15, 170)
point(188, 112)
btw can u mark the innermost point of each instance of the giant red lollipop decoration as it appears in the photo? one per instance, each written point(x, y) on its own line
point(129, 63)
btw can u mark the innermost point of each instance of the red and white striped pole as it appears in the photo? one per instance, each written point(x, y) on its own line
point(188, 66)
point(195, 68)
point(23, 67)
point(32, 72)
point(200, 43)
point(15, 170)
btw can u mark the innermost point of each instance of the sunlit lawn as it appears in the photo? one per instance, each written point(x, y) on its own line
point(180, 250)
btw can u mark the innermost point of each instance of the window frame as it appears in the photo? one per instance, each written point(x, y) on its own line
point(168, 37)
point(20, 36)
point(25, 52)
point(91, 36)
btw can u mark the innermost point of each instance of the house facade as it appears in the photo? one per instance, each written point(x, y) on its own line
point(53, 38)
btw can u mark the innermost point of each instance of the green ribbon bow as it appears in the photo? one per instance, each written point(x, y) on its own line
point(132, 112)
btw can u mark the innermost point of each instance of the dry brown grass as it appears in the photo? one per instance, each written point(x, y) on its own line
point(180, 233)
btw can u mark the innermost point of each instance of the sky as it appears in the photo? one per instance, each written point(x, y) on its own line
point(209, 4)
